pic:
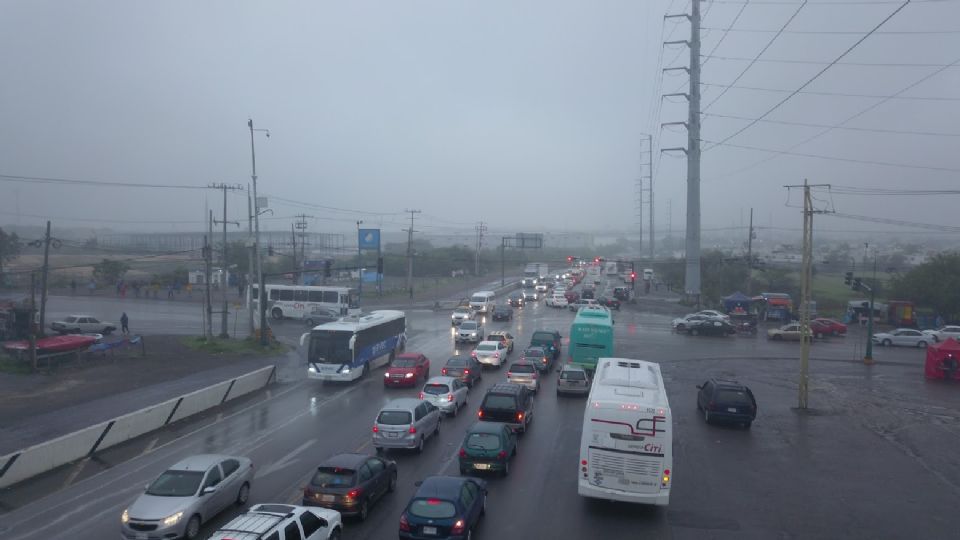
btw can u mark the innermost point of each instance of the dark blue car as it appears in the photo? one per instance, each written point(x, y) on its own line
point(724, 400)
point(444, 507)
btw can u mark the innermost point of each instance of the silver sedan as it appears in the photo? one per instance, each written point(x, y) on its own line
point(185, 496)
point(449, 394)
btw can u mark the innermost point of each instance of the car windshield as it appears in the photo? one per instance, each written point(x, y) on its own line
point(394, 418)
point(404, 362)
point(432, 509)
point(497, 401)
point(436, 389)
point(176, 484)
point(326, 477)
point(573, 375)
point(462, 311)
point(457, 361)
point(478, 298)
point(483, 441)
point(467, 325)
point(522, 368)
point(734, 397)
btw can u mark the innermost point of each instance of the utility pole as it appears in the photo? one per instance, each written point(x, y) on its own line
point(251, 275)
point(256, 242)
point(645, 178)
point(223, 256)
point(806, 336)
point(301, 225)
point(360, 262)
point(293, 244)
point(481, 228)
point(410, 232)
point(692, 242)
point(33, 320)
point(43, 279)
point(207, 278)
point(750, 257)
point(650, 198)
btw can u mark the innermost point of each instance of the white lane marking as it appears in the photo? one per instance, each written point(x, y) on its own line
point(285, 461)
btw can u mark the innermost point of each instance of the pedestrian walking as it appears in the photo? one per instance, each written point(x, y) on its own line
point(125, 324)
point(169, 291)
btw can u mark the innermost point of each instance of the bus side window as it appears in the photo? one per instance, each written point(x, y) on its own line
point(330, 297)
point(274, 294)
point(316, 296)
point(300, 295)
point(286, 294)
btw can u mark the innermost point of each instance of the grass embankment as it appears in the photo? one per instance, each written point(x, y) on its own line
point(233, 346)
point(9, 364)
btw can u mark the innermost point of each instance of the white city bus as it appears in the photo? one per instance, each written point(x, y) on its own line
point(351, 347)
point(626, 447)
point(299, 301)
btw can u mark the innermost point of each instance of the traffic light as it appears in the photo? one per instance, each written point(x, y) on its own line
point(569, 259)
point(857, 284)
point(326, 268)
point(848, 279)
point(633, 276)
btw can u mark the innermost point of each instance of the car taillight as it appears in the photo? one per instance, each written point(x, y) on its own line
point(444, 371)
point(583, 467)
point(480, 413)
point(474, 354)
point(449, 397)
point(502, 454)
point(413, 429)
point(519, 416)
point(665, 480)
point(376, 429)
point(459, 527)
point(353, 493)
point(404, 524)
point(463, 453)
point(496, 355)
point(544, 359)
point(421, 395)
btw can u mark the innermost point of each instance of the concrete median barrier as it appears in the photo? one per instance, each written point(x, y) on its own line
point(29, 462)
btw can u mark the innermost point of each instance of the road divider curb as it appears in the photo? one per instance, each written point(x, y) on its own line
point(39, 458)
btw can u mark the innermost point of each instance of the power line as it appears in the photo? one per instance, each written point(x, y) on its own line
point(759, 54)
point(820, 62)
point(818, 74)
point(843, 94)
point(726, 31)
point(51, 180)
point(854, 190)
point(838, 32)
point(834, 158)
point(828, 2)
point(837, 126)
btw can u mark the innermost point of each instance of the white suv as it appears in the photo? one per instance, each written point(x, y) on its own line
point(283, 522)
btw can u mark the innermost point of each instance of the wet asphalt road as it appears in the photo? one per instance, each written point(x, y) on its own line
point(874, 458)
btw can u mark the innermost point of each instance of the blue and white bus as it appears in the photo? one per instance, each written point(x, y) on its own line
point(351, 347)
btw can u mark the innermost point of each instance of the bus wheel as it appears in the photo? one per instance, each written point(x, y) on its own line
point(277, 313)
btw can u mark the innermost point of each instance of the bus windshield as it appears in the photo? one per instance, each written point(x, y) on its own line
point(330, 347)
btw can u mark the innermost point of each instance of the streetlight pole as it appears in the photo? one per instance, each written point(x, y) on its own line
point(262, 300)
point(359, 263)
point(868, 356)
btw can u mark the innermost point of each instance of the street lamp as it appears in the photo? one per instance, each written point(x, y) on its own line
point(262, 302)
point(359, 262)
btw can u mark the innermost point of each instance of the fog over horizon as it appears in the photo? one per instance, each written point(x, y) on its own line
point(529, 116)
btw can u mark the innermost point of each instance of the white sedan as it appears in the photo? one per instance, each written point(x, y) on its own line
point(904, 337)
point(557, 300)
point(82, 324)
point(944, 332)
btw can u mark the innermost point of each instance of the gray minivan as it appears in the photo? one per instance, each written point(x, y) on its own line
point(405, 423)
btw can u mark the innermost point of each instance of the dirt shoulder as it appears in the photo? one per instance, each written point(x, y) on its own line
point(38, 406)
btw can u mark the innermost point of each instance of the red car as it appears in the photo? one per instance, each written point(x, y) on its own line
point(828, 327)
point(571, 296)
point(407, 369)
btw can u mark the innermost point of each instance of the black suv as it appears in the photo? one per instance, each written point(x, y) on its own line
point(726, 400)
point(503, 312)
point(588, 293)
point(509, 403)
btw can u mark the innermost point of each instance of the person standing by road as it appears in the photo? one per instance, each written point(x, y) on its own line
point(125, 324)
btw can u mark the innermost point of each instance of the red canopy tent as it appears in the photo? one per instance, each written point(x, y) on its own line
point(943, 358)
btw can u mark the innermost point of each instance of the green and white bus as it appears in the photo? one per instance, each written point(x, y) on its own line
point(591, 337)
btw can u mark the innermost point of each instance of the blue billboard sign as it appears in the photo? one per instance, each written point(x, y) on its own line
point(369, 239)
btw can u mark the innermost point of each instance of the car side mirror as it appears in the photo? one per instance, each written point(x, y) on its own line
point(208, 490)
point(418, 483)
point(324, 523)
point(699, 387)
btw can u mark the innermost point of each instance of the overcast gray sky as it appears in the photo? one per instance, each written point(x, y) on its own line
point(528, 115)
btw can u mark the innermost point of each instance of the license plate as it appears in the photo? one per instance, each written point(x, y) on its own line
point(392, 434)
point(731, 409)
point(142, 536)
point(430, 530)
point(327, 498)
point(481, 466)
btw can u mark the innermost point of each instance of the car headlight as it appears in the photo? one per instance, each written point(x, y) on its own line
point(386, 375)
point(345, 371)
point(408, 376)
point(125, 516)
point(172, 520)
point(312, 369)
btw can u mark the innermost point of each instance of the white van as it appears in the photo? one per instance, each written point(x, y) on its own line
point(483, 301)
point(626, 446)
